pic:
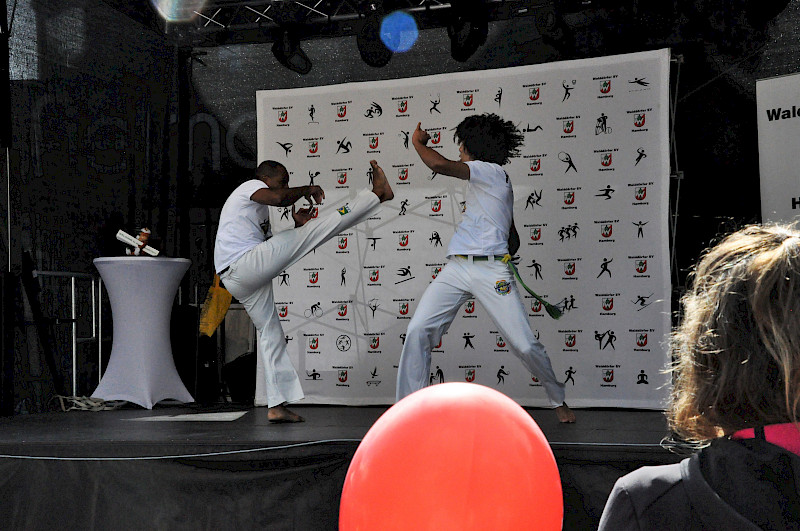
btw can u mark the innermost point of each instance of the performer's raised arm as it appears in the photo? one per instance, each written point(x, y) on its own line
point(434, 160)
point(284, 197)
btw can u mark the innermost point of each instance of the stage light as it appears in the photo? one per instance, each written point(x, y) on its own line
point(576, 6)
point(370, 44)
point(546, 19)
point(178, 10)
point(287, 51)
point(399, 31)
point(467, 28)
point(549, 24)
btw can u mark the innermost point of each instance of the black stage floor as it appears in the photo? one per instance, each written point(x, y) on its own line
point(134, 431)
point(234, 469)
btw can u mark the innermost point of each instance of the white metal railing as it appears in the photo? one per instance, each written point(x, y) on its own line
point(97, 324)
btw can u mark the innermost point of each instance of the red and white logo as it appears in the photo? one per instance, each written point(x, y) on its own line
point(283, 311)
point(341, 178)
point(640, 193)
point(569, 126)
point(570, 340)
point(605, 86)
point(534, 379)
point(436, 137)
point(569, 198)
point(404, 308)
point(468, 100)
point(569, 268)
point(402, 106)
point(470, 307)
point(373, 275)
point(533, 93)
point(342, 242)
point(639, 119)
point(374, 342)
point(500, 342)
point(536, 164)
point(536, 234)
point(313, 277)
point(343, 375)
point(436, 205)
point(402, 173)
point(641, 340)
point(536, 305)
point(606, 230)
point(373, 142)
point(641, 266)
point(608, 375)
point(435, 271)
point(608, 303)
point(313, 147)
point(605, 159)
point(341, 111)
point(342, 311)
point(283, 116)
point(404, 239)
point(469, 375)
point(314, 212)
point(313, 343)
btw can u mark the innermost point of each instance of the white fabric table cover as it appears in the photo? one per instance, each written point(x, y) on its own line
point(141, 368)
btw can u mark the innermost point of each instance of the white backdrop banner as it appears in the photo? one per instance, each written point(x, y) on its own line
point(591, 205)
point(778, 104)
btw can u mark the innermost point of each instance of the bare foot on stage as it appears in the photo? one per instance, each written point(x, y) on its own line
point(565, 414)
point(279, 414)
point(380, 184)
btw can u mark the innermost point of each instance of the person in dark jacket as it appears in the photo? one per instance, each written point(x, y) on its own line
point(736, 395)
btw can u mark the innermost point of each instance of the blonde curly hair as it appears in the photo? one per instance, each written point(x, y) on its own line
point(737, 350)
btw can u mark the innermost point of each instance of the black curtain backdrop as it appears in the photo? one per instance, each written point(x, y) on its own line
point(92, 121)
point(5, 90)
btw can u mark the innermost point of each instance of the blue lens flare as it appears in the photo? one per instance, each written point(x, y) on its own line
point(399, 31)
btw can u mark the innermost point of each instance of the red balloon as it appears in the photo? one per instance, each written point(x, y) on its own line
point(453, 456)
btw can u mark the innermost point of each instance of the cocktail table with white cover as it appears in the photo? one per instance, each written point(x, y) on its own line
point(141, 368)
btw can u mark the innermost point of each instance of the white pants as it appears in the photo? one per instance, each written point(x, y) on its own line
point(460, 280)
point(249, 279)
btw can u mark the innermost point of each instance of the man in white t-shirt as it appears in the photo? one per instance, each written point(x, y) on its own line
point(475, 269)
point(247, 257)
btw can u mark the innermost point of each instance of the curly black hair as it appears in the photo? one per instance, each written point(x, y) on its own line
point(489, 138)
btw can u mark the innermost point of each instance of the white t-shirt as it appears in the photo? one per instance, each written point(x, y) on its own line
point(243, 224)
point(488, 212)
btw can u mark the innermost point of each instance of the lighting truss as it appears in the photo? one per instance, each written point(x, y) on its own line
point(222, 22)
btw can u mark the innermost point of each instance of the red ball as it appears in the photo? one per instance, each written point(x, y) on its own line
point(454, 456)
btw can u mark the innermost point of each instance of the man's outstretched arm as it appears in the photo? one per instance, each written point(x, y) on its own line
point(435, 161)
point(284, 197)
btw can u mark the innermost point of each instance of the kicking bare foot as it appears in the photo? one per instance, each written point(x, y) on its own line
point(279, 414)
point(565, 414)
point(380, 184)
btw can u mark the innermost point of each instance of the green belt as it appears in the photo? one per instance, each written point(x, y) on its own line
point(552, 310)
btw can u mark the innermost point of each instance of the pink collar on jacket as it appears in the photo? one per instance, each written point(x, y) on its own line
point(787, 436)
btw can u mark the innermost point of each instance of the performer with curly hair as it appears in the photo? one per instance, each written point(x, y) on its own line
point(736, 395)
point(475, 268)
